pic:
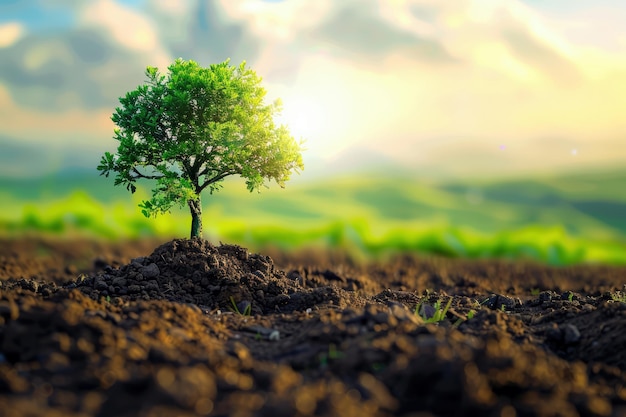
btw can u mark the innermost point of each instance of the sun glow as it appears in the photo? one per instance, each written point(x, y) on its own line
point(321, 107)
point(322, 122)
point(304, 118)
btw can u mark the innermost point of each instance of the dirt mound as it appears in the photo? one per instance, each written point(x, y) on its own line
point(225, 277)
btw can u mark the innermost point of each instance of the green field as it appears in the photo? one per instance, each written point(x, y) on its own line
point(559, 220)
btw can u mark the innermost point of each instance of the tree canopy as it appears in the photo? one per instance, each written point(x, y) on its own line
point(195, 126)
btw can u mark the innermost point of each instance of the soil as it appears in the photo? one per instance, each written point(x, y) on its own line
point(189, 328)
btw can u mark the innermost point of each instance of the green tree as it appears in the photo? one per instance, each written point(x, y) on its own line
point(194, 127)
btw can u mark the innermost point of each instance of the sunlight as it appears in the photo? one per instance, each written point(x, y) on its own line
point(325, 106)
point(322, 122)
point(305, 118)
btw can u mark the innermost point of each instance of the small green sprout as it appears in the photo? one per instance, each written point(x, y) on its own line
point(470, 315)
point(438, 315)
point(246, 312)
point(535, 291)
point(570, 297)
point(332, 353)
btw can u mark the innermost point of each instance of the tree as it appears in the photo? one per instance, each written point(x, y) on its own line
point(194, 127)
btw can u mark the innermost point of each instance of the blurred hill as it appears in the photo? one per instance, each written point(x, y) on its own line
point(559, 219)
point(591, 204)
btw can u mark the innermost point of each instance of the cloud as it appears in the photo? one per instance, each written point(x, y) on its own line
point(379, 95)
point(539, 56)
point(128, 28)
point(282, 21)
point(36, 142)
point(359, 32)
point(105, 53)
point(78, 68)
point(409, 79)
point(87, 65)
point(505, 36)
point(202, 31)
point(10, 33)
point(40, 126)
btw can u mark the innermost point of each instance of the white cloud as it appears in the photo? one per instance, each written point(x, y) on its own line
point(42, 54)
point(173, 8)
point(278, 21)
point(127, 26)
point(10, 33)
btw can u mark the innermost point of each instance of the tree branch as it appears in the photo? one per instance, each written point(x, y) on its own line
point(216, 179)
point(150, 177)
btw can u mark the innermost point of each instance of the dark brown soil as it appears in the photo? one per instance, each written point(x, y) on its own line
point(188, 328)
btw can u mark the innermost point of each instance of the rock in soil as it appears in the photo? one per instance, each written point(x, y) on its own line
point(195, 329)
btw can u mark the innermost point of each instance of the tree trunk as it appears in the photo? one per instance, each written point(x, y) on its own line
point(195, 206)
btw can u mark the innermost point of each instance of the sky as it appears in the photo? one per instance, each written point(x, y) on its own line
point(456, 88)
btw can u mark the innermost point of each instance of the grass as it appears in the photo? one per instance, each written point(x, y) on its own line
point(545, 221)
point(470, 315)
point(235, 309)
